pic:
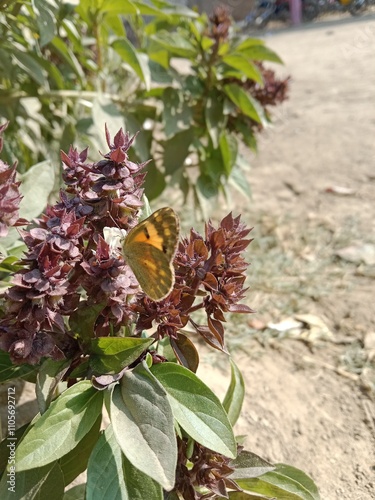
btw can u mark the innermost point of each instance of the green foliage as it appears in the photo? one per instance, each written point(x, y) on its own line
point(135, 457)
point(150, 66)
point(61, 427)
point(142, 422)
point(119, 479)
point(285, 482)
point(196, 409)
point(235, 394)
point(9, 371)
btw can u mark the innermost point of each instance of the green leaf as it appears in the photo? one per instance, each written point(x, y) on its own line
point(30, 65)
point(299, 476)
point(172, 495)
point(146, 9)
point(215, 118)
point(4, 450)
point(175, 43)
point(247, 104)
point(155, 182)
point(206, 43)
point(161, 58)
point(115, 24)
point(35, 484)
point(248, 465)
point(143, 425)
point(244, 44)
point(229, 150)
point(176, 113)
point(175, 10)
point(246, 67)
point(136, 60)
point(105, 111)
point(239, 180)
point(111, 476)
point(196, 408)
point(235, 394)
point(75, 462)
point(82, 321)
point(284, 483)
point(246, 132)
point(112, 354)
point(9, 264)
point(36, 186)
point(259, 52)
point(75, 493)
point(143, 143)
point(185, 351)
point(67, 54)
point(9, 371)
point(46, 21)
point(123, 7)
point(208, 186)
point(244, 495)
point(176, 149)
point(49, 375)
point(68, 136)
point(61, 427)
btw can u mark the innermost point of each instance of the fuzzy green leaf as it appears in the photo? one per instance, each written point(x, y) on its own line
point(75, 493)
point(196, 408)
point(185, 351)
point(122, 7)
point(36, 186)
point(246, 103)
point(215, 118)
point(229, 151)
point(136, 60)
point(46, 21)
point(155, 182)
point(248, 465)
point(30, 65)
point(244, 495)
point(235, 394)
point(69, 57)
point(82, 321)
point(284, 483)
point(143, 425)
point(208, 186)
point(246, 67)
point(176, 44)
point(35, 484)
point(176, 113)
point(111, 476)
point(61, 427)
point(259, 52)
point(9, 371)
point(75, 462)
point(49, 375)
point(239, 181)
point(112, 354)
point(176, 149)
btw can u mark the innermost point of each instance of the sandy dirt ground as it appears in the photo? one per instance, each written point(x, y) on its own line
point(310, 391)
point(310, 388)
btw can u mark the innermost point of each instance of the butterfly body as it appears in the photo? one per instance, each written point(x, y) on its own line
point(149, 249)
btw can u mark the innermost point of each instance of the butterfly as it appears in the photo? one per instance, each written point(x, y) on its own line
point(149, 249)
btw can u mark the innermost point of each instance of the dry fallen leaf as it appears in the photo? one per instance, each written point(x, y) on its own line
point(307, 327)
point(358, 253)
point(340, 190)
